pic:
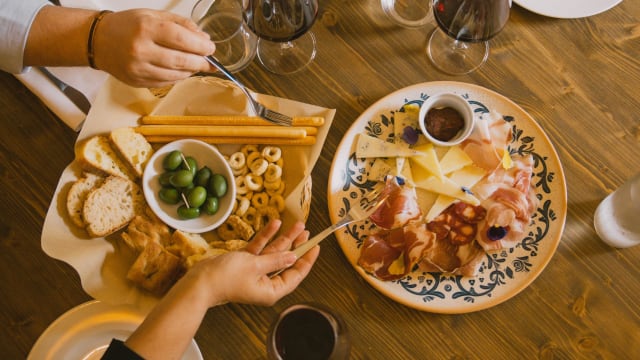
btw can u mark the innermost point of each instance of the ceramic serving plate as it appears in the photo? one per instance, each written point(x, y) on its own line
point(567, 9)
point(503, 274)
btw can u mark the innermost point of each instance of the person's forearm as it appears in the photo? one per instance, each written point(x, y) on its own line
point(59, 37)
point(169, 328)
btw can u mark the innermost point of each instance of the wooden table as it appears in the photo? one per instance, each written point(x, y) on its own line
point(578, 78)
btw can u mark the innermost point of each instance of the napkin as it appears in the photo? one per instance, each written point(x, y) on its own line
point(85, 79)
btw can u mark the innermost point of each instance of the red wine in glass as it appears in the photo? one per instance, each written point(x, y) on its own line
point(461, 44)
point(285, 45)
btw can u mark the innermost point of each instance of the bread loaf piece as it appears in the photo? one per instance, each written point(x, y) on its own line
point(111, 206)
point(96, 155)
point(78, 193)
point(155, 269)
point(184, 244)
point(132, 147)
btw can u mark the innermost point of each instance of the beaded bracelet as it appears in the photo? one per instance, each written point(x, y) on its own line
point(92, 33)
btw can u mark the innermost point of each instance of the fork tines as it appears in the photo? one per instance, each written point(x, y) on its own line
point(277, 118)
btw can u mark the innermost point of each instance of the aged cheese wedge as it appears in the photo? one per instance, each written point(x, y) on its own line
point(454, 159)
point(404, 170)
point(446, 186)
point(380, 168)
point(403, 119)
point(372, 147)
point(467, 177)
point(428, 160)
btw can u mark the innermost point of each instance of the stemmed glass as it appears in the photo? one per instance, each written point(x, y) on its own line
point(460, 43)
point(285, 45)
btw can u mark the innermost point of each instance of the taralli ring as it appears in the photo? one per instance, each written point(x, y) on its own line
point(253, 181)
point(253, 157)
point(243, 206)
point(274, 189)
point(241, 185)
point(277, 202)
point(237, 161)
point(264, 215)
point(260, 199)
point(272, 185)
point(250, 216)
point(248, 149)
point(273, 173)
point(271, 153)
point(258, 166)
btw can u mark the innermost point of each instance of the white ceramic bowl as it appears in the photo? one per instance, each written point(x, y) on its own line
point(205, 155)
point(456, 102)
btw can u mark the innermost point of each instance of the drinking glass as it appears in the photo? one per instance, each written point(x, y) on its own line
point(407, 13)
point(309, 331)
point(460, 43)
point(285, 44)
point(222, 20)
point(616, 219)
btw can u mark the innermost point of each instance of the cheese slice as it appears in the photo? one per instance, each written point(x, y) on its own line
point(454, 159)
point(403, 119)
point(428, 160)
point(381, 168)
point(372, 147)
point(446, 186)
point(467, 177)
point(404, 170)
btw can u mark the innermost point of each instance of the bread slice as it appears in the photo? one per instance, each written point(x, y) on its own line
point(183, 244)
point(96, 155)
point(77, 195)
point(132, 147)
point(111, 206)
point(155, 269)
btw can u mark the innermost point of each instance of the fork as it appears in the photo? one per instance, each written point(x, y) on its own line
point(260, 110)
point(368, 205)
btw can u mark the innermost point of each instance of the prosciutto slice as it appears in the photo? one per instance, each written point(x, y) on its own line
point(400, 207)
point(510, 200)
point(487, 142)
point(392, 254)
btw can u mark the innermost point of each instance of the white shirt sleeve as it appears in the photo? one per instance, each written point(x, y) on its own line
point(16, 17)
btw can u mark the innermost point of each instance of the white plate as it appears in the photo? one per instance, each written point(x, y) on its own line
point(503, 274)
point(567, 9)
point(85, 332)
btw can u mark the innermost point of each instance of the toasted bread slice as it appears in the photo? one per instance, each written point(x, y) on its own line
point(132, 147)
point(96, 155)
point(77, 195)
point(155, 269)
point(112, 205)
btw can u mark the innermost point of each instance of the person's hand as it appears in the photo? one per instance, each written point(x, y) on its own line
point(243, 276)
point(149, 48)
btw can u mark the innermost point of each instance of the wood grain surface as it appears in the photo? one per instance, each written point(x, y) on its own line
point(578, 78)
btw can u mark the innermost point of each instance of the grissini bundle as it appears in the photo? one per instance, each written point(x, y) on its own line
point(293, 132)
point(163, 139)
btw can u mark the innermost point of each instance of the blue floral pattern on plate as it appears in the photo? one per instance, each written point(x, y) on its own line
point(504, 273)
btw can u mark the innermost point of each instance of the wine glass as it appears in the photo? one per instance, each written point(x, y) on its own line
point(460, 43)
point(285, 45)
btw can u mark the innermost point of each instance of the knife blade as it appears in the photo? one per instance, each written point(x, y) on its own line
point(76, 97)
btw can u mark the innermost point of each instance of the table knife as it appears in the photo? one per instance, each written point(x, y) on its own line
point(76, 97)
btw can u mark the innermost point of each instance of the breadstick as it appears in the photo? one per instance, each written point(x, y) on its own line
point(233, 120)
point(163, 139)
point(227, 131)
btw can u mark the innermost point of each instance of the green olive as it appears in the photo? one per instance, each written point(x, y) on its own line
point(188, 212)
point(211, 205)
point(196, 196)
point(165, 178)
point(191, 164)
point(181, 178)
point(169, 195)
point(173, 160)
point(202, 176)
point(217, 185)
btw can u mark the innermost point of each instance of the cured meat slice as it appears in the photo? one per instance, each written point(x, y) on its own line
point(400, 207)
point(487, 142)
point(510, 200)
point(392, 254)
